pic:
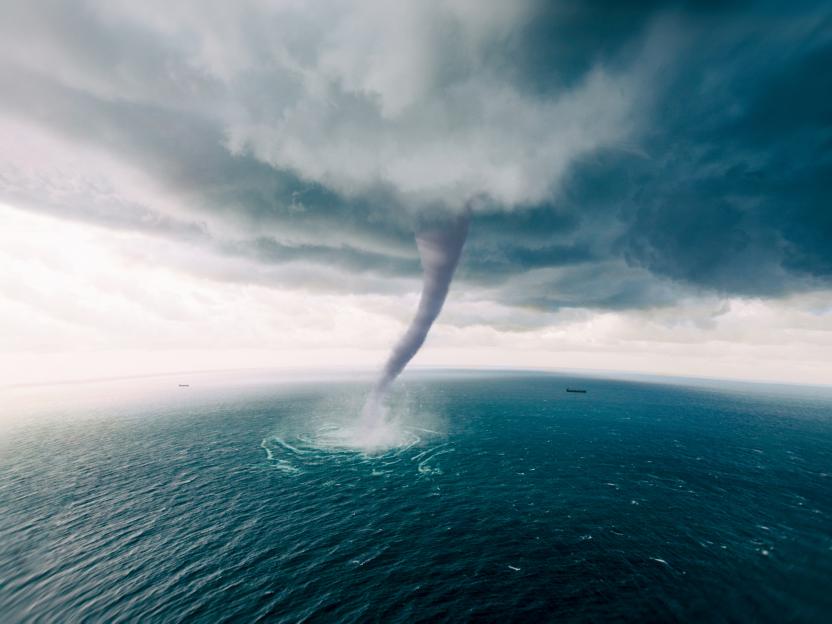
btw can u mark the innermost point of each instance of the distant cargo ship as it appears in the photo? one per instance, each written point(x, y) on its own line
point(184, 385)
point(578, 390)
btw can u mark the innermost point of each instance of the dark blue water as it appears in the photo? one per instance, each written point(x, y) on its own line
point(509, 500)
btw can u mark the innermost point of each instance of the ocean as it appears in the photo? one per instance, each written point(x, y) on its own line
point(495, 497)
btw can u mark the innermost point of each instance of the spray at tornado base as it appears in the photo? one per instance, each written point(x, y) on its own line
point(439, 252)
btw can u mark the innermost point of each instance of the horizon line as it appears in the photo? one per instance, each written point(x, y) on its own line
point(360, 370)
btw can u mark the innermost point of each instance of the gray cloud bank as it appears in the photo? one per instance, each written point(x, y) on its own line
point(625, 156)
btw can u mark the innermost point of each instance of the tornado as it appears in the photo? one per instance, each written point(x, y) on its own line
point(439, 250)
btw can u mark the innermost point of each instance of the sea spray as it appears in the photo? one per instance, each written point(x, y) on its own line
point(439, 251)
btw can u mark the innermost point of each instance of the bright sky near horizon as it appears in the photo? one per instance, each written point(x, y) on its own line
point(81, 302)
point(203, 186)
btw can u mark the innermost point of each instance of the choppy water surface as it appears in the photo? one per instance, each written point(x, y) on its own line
point(492, 497)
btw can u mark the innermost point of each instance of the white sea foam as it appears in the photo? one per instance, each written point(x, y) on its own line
point(329, 432)
point(373, 439)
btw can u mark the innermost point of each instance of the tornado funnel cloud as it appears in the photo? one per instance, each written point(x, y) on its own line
point(439, 251)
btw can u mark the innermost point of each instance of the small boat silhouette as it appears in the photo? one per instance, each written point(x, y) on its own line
point(184, 385)
point(578, 390)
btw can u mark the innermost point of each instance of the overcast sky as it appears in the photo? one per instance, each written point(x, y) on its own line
point(193, 185)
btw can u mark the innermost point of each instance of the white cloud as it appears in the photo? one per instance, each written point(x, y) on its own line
point(348, 94)
point(70, 287)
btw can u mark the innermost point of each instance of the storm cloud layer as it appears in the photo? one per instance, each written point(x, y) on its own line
point(622, 157)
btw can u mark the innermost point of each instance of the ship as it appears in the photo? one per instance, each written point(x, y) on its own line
point(578, 390)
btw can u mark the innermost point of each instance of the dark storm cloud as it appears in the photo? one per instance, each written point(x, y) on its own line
point(736, 193)
point(564, 41)
point(707, 171)
point(729, 189)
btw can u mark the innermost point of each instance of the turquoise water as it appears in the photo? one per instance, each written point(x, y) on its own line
point(498, 497)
